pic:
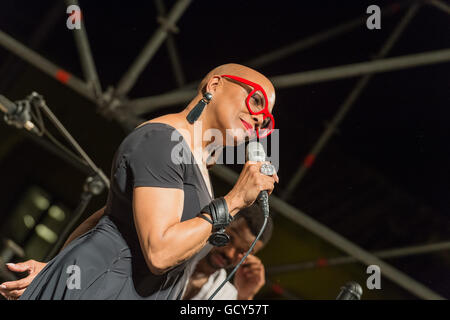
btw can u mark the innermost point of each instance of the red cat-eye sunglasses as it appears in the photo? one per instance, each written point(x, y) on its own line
point(257, 103)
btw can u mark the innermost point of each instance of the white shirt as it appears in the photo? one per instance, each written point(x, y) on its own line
point(228, 291)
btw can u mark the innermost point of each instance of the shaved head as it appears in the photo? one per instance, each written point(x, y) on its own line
point(228, 109)
point(243, 72)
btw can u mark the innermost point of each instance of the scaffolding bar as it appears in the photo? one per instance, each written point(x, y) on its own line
point(440, 5)
point(46, 66)
point(318, 38)
point(178, 97)
point(86, 59)
point(313, 40)
point(12, 64)
point(172, 49)
point(131, 76)
point(148, 104)
point(385, 254)
point(357, 69)
point(74, 143)
point(348, 103)
point(336, 240)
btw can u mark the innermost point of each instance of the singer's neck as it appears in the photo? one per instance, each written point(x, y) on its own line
point(193, 134)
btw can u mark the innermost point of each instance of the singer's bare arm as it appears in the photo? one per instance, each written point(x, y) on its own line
point(164, 240)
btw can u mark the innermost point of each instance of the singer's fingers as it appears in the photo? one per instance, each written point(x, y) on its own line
point(19, 267)
point(253, 163)
point(267, 185)
point(275, 176)
point(14, 295)
point(18, 284)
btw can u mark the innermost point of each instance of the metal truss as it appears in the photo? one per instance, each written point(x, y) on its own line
point(384, 254)
point(113, 101)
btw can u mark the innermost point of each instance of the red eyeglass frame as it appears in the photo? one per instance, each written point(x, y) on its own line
point(265, 111)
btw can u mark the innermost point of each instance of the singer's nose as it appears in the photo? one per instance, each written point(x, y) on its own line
point(258, 119)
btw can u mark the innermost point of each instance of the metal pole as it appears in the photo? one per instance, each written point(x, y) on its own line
point(276, 288)
point(318, 38)
point(336, 240)
point(441, 5)
point(347, 105)
point(129, 79)
point(147, 104)
point(46, 66)
point(385, 254)
point(86, 59)
point(172, 48)
point(313, 40)
point(72, 141)
point(77, 163)
point(15, 66)
point(357, 69)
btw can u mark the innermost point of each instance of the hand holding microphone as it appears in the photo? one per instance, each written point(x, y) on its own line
point(257, 178)
point(256, 181)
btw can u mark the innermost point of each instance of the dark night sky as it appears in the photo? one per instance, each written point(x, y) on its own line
point(398, 128)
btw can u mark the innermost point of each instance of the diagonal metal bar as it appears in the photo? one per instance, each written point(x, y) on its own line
point(440, 5)
point(46, 66)
point(86, 59)
point(74, 143)
point(347, 105)
point(384, 254)
point(276, 288)
point(12, 65)
point(358, 69)
point(319, 37)
point(265, 59)
point(311, 41)
point(336, 240)
point(177, 97)
point(131, 76)
point(148, 104)
point(172, 48)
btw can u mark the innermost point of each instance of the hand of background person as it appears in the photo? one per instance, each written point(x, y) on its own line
point(249, 278)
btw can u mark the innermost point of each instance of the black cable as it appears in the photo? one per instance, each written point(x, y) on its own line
point(266, 216)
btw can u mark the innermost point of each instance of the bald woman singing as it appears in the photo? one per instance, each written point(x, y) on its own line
point(161, 216)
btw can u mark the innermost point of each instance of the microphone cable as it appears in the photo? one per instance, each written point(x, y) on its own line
point(263, 198)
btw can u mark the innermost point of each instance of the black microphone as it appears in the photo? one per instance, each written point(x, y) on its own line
point(350, 291)
point(17, 114)
point(255, 152)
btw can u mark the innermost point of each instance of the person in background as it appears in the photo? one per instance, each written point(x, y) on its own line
point(210, 272)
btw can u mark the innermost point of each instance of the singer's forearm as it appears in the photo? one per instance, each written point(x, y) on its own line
point(182, 240)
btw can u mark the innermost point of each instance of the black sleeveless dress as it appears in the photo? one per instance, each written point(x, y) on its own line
point(108, 259)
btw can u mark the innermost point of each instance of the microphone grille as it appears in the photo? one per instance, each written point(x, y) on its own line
point(256, 152)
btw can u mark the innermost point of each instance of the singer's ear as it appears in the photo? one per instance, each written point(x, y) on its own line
point(213, 83)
